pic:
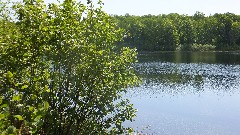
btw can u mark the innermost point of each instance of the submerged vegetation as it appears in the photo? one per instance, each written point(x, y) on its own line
point(60, 71)
point(181, 32)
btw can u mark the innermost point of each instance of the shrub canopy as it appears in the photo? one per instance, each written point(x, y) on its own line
point(60, 70)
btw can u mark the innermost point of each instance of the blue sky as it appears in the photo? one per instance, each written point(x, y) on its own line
point(155, 7)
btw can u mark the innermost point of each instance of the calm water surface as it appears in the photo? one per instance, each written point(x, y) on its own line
point(188, 93)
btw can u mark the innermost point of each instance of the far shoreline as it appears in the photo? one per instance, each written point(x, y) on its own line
point(155, 52)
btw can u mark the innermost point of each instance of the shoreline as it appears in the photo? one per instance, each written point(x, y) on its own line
point(155, 52)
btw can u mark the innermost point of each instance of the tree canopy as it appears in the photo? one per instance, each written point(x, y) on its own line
point(181, 32)
point(61, 71)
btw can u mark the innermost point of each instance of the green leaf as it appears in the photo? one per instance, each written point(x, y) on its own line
point(9, 74)
point(16, 97)
point(46, 105)
point(1, 98)
point(100, 52)
point(4, 106)
point(30, 108)
point(46, 88)
point(24, 87)
point(19, 117)
point(2, 116)
point(35, 79)
point(38, 118)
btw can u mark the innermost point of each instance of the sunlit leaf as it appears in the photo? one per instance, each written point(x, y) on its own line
point(16, 98)
point(19, 117)
point(24, 86)
point(2, 116)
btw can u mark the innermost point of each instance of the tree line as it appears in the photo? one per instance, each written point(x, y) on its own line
point(181, 32)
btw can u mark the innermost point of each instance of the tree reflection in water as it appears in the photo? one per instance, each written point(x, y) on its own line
point(182, 78)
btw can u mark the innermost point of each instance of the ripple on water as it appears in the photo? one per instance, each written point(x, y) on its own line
point(192, 78)
point(187, 98)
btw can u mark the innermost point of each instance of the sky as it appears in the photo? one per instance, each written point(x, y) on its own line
point(156, 7)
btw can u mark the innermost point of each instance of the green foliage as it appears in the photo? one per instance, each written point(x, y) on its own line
point(174, 32)
point(200, 47)
point(61, 72)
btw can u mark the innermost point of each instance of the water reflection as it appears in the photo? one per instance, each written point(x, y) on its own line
point(182, 78)
point(192, 57)
point(187, 93)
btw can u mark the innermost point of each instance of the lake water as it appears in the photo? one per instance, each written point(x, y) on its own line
point(188, 93)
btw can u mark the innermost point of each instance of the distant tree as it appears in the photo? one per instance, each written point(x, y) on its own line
point(198, 16)
point(187, 32)
point(173, 31)
point(236, 33)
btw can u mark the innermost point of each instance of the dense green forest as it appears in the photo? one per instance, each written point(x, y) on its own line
point(181, 32)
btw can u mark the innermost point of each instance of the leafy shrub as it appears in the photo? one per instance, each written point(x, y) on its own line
point(60, 71)
point(201, 47)
point(196, 47)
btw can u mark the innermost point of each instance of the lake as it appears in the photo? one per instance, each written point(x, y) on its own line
point(187, 93)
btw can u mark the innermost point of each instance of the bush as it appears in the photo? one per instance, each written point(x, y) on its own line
point(196, 47)
point(200, 47)
point(60, 72)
